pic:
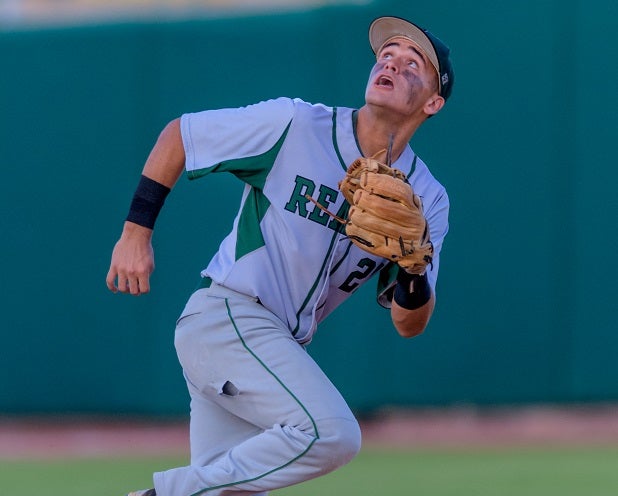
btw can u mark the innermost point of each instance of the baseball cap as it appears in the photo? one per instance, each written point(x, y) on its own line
point(386, 28)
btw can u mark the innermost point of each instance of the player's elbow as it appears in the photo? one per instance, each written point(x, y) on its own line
point(410, 331)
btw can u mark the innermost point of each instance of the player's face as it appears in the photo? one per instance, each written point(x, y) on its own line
point(402, 78)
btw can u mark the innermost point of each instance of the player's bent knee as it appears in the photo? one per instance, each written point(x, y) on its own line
point(339, 442)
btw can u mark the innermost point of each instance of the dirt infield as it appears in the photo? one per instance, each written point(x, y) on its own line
point(452, 428)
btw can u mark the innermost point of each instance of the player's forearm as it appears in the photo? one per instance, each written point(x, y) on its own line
point(161, 171)
point(410, 323)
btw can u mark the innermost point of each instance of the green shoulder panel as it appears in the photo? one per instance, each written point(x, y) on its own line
point(252, 170)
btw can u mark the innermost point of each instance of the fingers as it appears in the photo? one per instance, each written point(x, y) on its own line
point(128, 283)
point(110, 280)
point(132, 263)
point(139, 285)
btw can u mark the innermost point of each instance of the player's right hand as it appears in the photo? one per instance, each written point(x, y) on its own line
point(132, 261)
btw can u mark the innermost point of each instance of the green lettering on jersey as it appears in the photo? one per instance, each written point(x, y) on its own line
point(342, 213)
point(326, 197)
point(298, 201)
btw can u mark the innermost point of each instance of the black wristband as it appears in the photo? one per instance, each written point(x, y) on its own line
point(412, 291)
point(147, 202)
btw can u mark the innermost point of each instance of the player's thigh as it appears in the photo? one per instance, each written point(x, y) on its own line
point(243, 358)
point(279, 379)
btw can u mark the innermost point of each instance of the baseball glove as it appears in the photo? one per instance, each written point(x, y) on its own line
point(386, 216)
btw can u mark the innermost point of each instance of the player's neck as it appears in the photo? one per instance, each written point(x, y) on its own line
point(374, 132)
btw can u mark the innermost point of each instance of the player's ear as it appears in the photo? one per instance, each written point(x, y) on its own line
point(434, 104)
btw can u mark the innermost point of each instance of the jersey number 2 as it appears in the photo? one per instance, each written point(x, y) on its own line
point(367, 266)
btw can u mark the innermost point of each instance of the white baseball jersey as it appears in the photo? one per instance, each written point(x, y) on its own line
point(282, 249)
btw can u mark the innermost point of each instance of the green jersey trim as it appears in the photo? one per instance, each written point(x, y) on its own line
point(334, 237)
point(315, 284)
point(354, 128)
point(252, 170)
point(250, 236)
point(288, 390)
point(334, 269)
point(412, 167)
point(335, 145)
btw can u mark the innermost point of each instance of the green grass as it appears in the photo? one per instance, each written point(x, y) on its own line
point(495, 472)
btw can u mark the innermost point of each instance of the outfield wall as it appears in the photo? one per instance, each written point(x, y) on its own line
point(526, 290)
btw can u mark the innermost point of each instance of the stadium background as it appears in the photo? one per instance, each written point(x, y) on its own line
point(525, 306)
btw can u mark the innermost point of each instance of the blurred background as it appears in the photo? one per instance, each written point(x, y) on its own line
point(524, 147)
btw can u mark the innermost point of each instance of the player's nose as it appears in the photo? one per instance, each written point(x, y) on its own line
point(391, 65)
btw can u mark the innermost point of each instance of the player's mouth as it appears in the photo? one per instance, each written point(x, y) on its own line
point(384, 82)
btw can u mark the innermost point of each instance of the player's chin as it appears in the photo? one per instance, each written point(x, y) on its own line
point(379, 92)
point(390, 104)
point(386, 94)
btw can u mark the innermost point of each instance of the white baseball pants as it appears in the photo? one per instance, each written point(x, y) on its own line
point(263, 414)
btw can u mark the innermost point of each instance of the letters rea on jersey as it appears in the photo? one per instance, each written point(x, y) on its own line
point(298, 203)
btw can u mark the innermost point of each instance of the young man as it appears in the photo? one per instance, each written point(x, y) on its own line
point(263, 414)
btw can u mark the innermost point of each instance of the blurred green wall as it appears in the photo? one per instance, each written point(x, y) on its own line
point(525, 148)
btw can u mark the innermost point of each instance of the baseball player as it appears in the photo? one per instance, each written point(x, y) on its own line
point(263, 414)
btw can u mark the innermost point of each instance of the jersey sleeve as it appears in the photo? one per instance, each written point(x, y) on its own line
point(226, 139)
